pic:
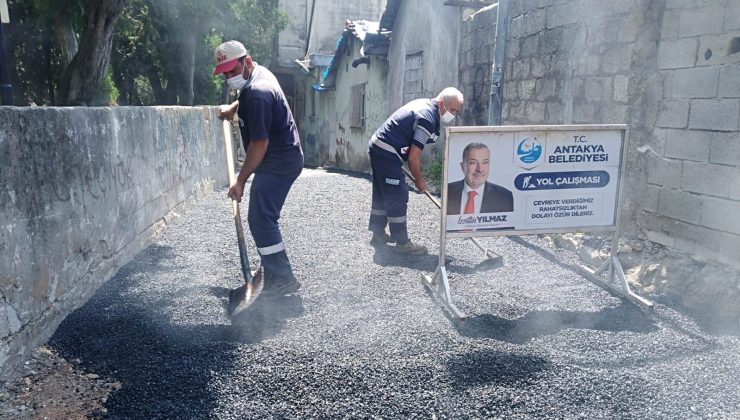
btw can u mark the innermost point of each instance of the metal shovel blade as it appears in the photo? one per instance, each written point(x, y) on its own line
point(243, 296)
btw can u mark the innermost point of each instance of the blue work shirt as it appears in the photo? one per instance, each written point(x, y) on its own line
point(264, 114)
point(398, 130)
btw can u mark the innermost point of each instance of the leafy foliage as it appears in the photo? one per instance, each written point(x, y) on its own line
point(32, 52)
point(434, 171)
point(166, 41)
point(162, 49)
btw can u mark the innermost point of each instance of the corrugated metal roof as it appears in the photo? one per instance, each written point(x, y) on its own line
point(374, 42)
point(359, 28)
point(320, 60)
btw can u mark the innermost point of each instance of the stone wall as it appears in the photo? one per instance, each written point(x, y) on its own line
point(693, 173)
point(575, 61)
point(669, 68)
point(587, 62)
point(82, 190)
point(477, 46)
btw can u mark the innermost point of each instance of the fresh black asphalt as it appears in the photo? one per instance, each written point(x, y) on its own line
point(362, 338)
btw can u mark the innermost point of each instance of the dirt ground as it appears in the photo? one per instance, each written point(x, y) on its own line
point(50, 387)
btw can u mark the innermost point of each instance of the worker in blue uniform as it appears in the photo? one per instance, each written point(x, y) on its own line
point(402, 138)
point(273, 154)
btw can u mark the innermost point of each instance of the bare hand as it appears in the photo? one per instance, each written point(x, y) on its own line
point(236, 191)
point(226, 112)
point(421, 185)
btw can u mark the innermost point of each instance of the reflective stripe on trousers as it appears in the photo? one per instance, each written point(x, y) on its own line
point(266, 198)
point(390, 195)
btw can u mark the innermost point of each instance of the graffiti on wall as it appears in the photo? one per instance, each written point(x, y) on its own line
point(95, 180)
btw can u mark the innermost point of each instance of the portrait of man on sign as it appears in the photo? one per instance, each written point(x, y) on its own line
point(474, 194)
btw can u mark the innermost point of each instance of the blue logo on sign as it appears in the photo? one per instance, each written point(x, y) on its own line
point(529, 150)
point(561, 180)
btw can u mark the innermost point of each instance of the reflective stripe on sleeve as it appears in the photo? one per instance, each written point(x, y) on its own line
point(421, 135)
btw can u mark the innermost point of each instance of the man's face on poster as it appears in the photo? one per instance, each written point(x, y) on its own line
point(475, 166)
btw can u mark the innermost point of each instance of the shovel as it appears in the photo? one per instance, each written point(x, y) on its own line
point(241, 297)
point(493, 260)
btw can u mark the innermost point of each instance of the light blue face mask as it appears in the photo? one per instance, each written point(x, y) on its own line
point(447, 117)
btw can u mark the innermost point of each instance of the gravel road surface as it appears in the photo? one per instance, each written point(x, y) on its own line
point(363, 339)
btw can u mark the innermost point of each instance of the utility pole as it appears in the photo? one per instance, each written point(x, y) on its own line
point(499, 64)
point(6, 90)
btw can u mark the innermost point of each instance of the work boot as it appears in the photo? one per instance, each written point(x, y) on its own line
point(409, 248)
point(279, 287)
point(381, 239)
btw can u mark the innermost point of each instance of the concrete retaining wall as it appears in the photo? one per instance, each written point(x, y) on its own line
point(82, 190)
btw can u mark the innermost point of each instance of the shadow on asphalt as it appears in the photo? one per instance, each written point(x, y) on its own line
point(504, 368)
point(625, 317)
point(386, 257)
point(457, 266)
point(128, 336)
point(717, 324)
point(152, 363)
point(264, 318)
point(348, 173)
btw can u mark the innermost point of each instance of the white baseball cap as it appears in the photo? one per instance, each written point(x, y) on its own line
point(227, 55)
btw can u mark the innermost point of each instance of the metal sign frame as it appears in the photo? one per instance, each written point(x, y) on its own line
point(438, 283)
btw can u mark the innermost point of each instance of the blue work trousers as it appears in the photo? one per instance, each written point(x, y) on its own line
point(266, 199)
point(390, 196)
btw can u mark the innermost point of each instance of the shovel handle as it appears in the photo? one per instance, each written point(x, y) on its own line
point(243, 258)
point(431, 197)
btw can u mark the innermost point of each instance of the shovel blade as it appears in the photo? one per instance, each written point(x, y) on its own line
point(243, 296)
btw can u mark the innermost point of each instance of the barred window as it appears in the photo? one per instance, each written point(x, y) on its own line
point(413, 77)
point(357, 114)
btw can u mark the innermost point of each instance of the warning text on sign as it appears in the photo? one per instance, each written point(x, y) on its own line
point(577, 208)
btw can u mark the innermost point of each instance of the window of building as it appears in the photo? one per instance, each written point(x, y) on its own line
point(357, 113)
point(413, 77)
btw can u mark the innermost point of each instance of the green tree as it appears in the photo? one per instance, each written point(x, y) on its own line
point(159, 51)
point(67, 18)
point(52, 67)
point(34, 52)
point(82, 79)
point(170, 44)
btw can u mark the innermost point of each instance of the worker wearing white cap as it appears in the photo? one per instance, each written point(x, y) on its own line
point(273, 154)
